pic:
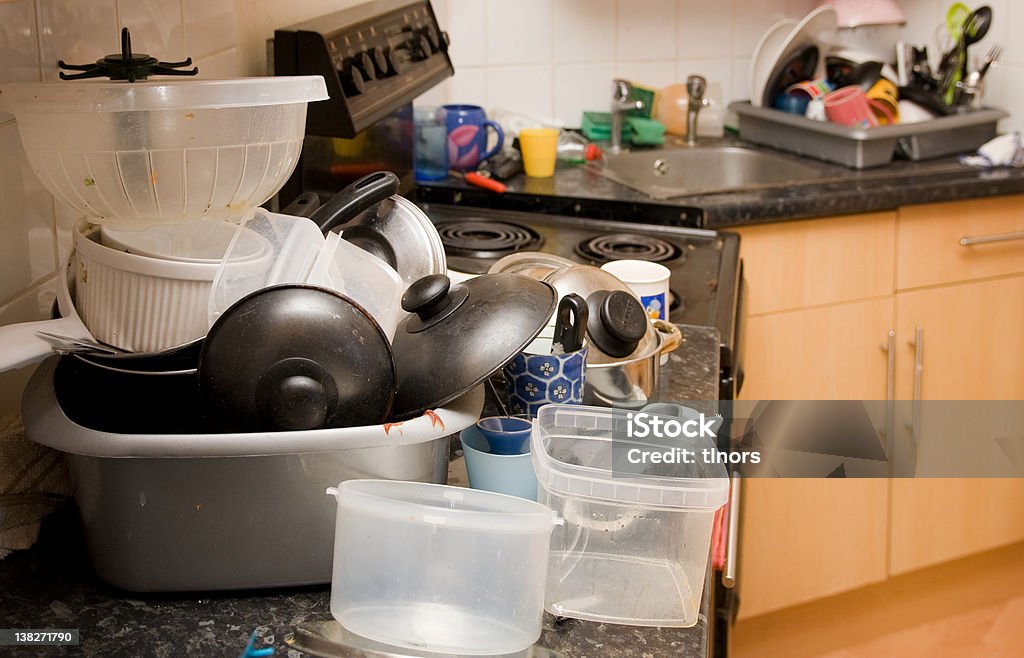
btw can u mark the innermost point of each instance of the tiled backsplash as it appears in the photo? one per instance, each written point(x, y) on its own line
point(547, 58)
point(555, 58)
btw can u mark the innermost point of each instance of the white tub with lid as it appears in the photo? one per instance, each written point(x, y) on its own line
point(439, 568)
point(634, 547)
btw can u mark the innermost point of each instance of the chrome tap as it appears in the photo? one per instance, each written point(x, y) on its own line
point(695, 88)
point(621, 103)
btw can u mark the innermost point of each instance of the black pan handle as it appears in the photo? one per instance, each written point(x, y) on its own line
point(354, 199)
point(571, 322)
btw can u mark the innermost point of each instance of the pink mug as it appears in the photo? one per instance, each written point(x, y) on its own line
point(850, 106)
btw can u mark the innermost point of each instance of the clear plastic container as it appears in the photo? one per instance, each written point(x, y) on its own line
point(439, 568)
point(363, 277)
point(633, 548)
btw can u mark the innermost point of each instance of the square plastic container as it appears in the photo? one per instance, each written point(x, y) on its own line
point(633, 549)
point(438, 568)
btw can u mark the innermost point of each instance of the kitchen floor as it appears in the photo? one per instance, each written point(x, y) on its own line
point(971, 607)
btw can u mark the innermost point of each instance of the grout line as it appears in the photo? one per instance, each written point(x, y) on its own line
point(38, 15)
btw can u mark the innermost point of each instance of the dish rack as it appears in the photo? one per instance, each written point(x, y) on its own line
point(863, 148)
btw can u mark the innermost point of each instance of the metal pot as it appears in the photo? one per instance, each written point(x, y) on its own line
point(632, 382)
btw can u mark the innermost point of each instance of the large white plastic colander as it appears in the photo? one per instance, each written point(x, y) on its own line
point(163, 151)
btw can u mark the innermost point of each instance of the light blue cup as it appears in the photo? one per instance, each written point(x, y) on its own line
point(506, 474)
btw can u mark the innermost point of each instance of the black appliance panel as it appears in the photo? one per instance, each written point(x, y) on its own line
point(374, 58)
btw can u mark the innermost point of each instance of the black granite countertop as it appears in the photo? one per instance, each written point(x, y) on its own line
point(51, 585)
point(581, 191)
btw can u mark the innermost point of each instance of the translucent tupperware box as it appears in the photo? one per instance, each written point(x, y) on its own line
point(634, 546)
point(439, 568)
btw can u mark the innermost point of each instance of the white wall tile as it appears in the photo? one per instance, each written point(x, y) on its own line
point(705, 29)
point(584, 31)
point(156, 27)
point(751, 21)
point(648, 74)
point(26, 220)
point(77, 32)
point(18, 36)
point(467, 28)
point(438, 95)
point(227, 64)
point(468, 85)
point(1015, 26)
point(581, 87)
point(209, 27)
point(646, 30)
point(524, 89)
point(740, 78)
point(518, 32)
point(1003, 89)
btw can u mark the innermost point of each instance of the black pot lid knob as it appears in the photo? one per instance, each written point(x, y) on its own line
point(432, 299)
point(296, 394)
point(618, 322)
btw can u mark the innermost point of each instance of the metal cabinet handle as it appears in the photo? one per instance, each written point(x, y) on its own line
point(915, 422)
point(733, 540)
point(967, 241)
point(889, 347)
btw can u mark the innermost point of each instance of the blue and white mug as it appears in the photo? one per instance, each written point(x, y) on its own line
point(533, 380)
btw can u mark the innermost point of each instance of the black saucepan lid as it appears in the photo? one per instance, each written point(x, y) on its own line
point(458, 336)
point(295, 357)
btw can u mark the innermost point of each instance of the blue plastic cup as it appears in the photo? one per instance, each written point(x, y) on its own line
point(507, 474)
point(506, 435)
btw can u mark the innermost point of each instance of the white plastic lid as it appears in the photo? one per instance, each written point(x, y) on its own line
point(109, 96)
point(572, 453)
point(444, 505)
point(203, 242)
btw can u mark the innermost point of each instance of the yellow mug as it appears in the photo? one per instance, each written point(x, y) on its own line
point(885, 92)
point(539, 147)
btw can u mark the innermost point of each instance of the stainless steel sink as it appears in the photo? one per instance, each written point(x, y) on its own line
point(668, 173)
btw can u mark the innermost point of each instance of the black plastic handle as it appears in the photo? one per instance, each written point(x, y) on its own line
point(617, 322)
point(354, 199)
point(571, 323)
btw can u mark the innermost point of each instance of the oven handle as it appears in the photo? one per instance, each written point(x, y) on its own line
point(732, 541)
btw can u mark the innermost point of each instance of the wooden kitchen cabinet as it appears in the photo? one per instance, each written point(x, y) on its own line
point(806, 339)
point(823, 295)
point(973, 349)
point(825, 353)
point(791, 265)
point(929, 238)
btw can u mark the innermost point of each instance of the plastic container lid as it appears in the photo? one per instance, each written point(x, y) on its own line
point(572, 451)
point(162, 94)
point(202, 242)
point(444, 505)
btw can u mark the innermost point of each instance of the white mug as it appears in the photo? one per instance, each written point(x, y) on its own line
point(647, 280)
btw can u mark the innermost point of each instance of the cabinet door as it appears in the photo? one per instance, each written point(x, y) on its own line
point(828, 353)
point(931, 241)
point(973, 349)
point(806, 539)
point(792, 265)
